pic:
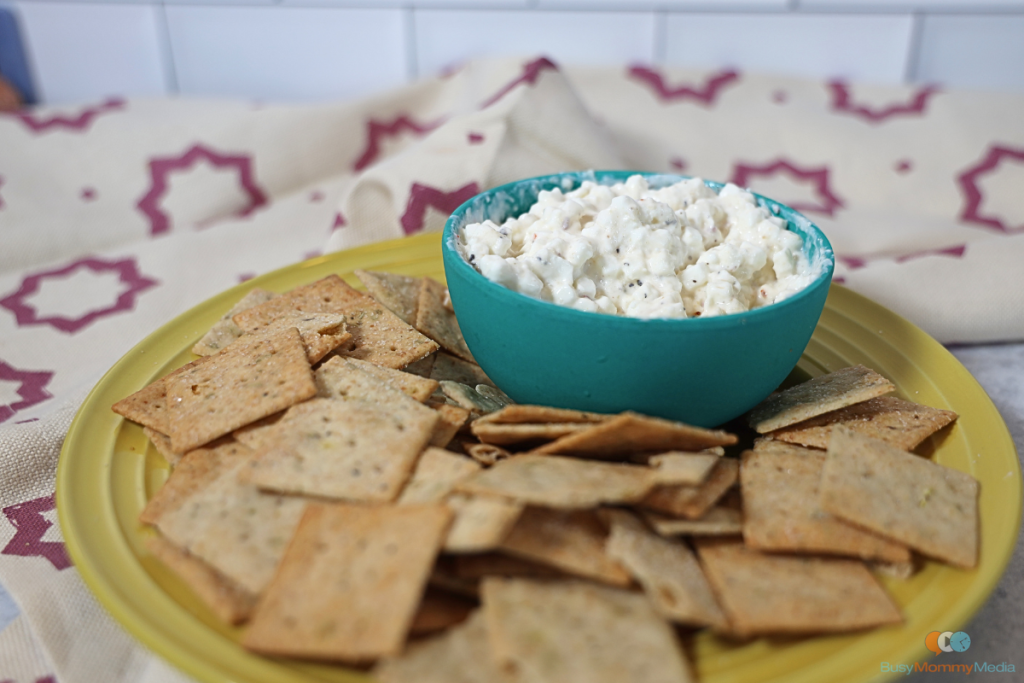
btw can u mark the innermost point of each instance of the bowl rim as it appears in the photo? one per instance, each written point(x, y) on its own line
point(453, 256)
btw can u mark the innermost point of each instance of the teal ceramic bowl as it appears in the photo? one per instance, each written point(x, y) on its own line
point(703, 371)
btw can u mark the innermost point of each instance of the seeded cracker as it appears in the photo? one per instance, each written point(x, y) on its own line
point(162, 444)
point(345, 449)
point(239, 530)
point(692, 502)
point(507, 434)
point(462, 655)
point(148, 405)
point(678, 467)
point(557, 482)
point(251, 379)
point(481, 522)
point(518, 413)
point(450, 421)
point(718, 521)
point(902, 423)
point(931, 508)
point(321, 333)
point(817, 396)
point(414, 386)
point(230, 602)
point(369, 566)
point(579, 632)
point(448, 367)
point(399, 293)
point(438, 322)
point(668, 571)
point(573, 541)
point(779, 594)
point(378, 335)
point(349, 380)
point(631, 432)
point(782, 513)
point(194, 472)
point(225, 331)
point(437, 471)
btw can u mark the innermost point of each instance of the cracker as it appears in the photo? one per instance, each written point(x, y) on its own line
point(437, 471)
point(255, 434)
point(194, 471)
point(414, 386)
point(504, 434)
point(351, 450)
point(783, 594)
point(230, 602)
point(148, 405)
point(321, 333)
point(233, 526)
point(481, 522)
point(162, 444)
point(438, 322)
point(350, 380)
point(929, 507)
point(557, 482)
point(571, 540)
point(399, 293)
point(225, 331)
point(667, 570)
point(820, 395)
point(450, 420)
point(448, 367)
point(579, 632)
point(692, 502)
point(440, 609)
point(678, 467)
point(718, 521)
point(421, 367)
point(904, 424)
point(461, 655)
point(251, 379)
point(378, 335)
point(782, 514)
point(631, 432)
point(485, 453)
point(518, 413)
point(368, 566)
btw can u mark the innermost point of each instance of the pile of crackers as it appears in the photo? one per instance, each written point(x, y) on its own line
point(350, 486)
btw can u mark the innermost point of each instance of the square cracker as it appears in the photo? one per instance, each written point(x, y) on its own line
point(631, 432)
point(378, 335)
point(460, 655)
point(668, 571)
point(481, 522)
point(194, 472)
point(570, 540)
point(580, 632)
point(691, 502)
point(557, 482)
point(230, 602)
point(679, 467)
point(448, 367)
point(437, 471)
point(250, 379)
point(399, 293)
point(718, 521)
point(524, 413)
point(414, 386)
point(234, 527)
point(368, 567)
point(450, 420)
point(816, 396)
point(438, 322)
point(785, 594)
point(148, 405)
point(225, 331)
point(904, 424)
point(506, 434)
point(162, 444)
point(351, 380)
point(345, 449)
point(931, 508)
point(321, 333)
point(782, 514)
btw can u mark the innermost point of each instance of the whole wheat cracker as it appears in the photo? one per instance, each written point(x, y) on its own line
point(481, 522)
point(225, 331)
point(449, 367)
point(506, 434)
point(436, 473)
point(691, 502)
point(718, 521)
point(419, 388)
point(399, 293)
point(451, 419)
point(439, 323)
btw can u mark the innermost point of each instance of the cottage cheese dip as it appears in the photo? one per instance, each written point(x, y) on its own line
point(626, 249)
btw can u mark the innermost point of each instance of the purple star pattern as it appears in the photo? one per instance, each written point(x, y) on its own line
point(474, 138)
point(30, 525)
point(88, 194)
point(127, 270)
point(79, 123)
point(161, 168)
point(339, 221)
point(842, 101)
point(378, 130)
point(531, 72)
point(31, 389)
point(857, 262)
point(705, 94)
point(968, 180)
point(423, 196)
point(819, 177)
point(678, 163)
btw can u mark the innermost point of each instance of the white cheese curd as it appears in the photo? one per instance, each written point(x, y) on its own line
point(626, 249)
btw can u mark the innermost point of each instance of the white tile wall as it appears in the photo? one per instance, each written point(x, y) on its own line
point(447, 37)
point(80, 51)
point(329, 49)
point(863, 47)
point(286, 53)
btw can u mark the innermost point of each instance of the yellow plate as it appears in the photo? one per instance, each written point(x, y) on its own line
point(107, 472)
